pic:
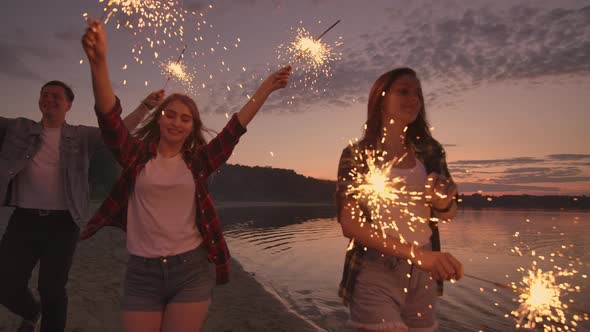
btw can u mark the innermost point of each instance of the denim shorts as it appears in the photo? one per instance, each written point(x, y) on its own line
point(390, 293)
point(152, 283)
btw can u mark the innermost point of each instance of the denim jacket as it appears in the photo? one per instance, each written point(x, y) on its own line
point(20, 141)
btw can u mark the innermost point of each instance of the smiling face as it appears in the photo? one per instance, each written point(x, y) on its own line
point(176, 122)
point(53, 102)
point(403, 101)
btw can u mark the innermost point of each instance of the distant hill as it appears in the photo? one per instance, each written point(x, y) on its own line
point(266, 184)
point(245, 183)
point(526, 202)
point(233, 183)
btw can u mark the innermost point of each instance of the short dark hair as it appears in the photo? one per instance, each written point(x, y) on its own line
point(69, 91)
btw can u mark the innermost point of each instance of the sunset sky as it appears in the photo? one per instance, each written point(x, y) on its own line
point(507, 82)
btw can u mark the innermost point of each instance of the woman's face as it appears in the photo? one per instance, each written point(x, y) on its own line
point(176, 122)
point(402, 101)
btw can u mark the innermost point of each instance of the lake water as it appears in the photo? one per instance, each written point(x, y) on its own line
point(299, 252)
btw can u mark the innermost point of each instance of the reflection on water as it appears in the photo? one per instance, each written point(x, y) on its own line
point(299, 251)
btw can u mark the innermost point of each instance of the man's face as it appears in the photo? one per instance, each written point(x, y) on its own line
point(53, 101)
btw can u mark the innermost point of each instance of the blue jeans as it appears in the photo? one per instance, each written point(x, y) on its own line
point(47, 237)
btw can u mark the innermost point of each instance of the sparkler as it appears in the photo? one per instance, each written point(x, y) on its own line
point(161, 27)
point(315, 47)
point(541, 299)
point(312, 56)
point(373, 186)
point(106, 12)
point(177, 70)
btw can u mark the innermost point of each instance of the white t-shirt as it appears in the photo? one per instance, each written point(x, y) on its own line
point(39, 185)
point(161, 211)
point(409, 217)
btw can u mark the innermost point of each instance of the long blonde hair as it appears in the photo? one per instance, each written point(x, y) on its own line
point(150, 132)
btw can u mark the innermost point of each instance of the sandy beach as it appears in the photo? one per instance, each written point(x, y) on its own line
point(96, 283)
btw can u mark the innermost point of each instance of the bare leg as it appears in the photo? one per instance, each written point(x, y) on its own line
point(185, 317)
point(141, 321)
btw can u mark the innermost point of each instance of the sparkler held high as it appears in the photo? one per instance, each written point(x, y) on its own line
point(176, 69)
point(310, 56)
point(317, 43)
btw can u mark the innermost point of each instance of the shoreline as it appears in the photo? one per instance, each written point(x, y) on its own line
point(219, 205)
point(262, 309)
point(96, 282)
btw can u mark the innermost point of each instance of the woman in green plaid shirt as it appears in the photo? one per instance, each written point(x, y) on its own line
point(394, 269)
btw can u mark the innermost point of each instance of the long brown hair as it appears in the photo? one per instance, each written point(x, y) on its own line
point(150, 132)
point(417, 130)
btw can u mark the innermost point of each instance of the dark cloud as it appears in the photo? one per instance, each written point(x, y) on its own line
point(13, 61)
point(528, 170)
point(522, 171)
point(543, 175)
point(569, 156)
point(70, 34)
point(497, 162)
point(458, 49)
point(16, 49)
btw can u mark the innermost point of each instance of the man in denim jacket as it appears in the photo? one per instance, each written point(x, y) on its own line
point(44, 168)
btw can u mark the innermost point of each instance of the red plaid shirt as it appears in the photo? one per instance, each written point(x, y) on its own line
point(133, 154)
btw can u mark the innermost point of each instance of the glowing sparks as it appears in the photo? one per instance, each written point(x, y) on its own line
point(161, 27)
point(377, 194)
point(178, 71)
point(374, 185)
point(540, 300)
point(164, 19)
point(313, 51)
point(311, 58)
point(545, 291)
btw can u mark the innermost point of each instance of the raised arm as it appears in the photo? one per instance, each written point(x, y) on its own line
point(108, 108)
point(147, 104)
point(275, 81)
point(95, 46)
point(214, 154)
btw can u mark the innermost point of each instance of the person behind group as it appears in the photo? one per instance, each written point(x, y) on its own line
point(382, 290)
point(161, 199)
point(44, 172)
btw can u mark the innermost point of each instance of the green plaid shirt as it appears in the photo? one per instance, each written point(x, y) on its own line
point(431, 154)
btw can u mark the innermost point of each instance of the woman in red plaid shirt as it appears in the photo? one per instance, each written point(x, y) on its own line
point(161, 199)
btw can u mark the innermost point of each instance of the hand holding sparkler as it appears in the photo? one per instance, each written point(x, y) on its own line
point(133, 119)
point(440, 192)
point(94, 42)
point(153, 99)
point(95, 46)
point(442, 265)
point(275, 81)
